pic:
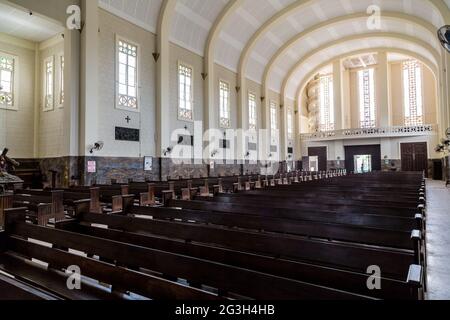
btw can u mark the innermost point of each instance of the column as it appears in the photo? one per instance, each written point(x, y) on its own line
point(71, 91)
point(382, 90)
point(337, 93)
point(89, 76)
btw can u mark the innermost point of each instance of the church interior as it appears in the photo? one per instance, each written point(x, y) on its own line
point(224, 150)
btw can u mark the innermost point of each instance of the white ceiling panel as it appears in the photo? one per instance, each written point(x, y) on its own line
point(20, 24)
point(143, 13)
point(344, 29)
point(321, 10)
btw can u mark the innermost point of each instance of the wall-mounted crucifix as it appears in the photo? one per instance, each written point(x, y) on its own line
point(128, 119)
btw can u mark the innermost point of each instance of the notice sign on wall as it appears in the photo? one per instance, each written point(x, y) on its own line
point(92, 166)
point(148, 164)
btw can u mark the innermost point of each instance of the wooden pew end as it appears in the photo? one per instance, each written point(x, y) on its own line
point(415, 276)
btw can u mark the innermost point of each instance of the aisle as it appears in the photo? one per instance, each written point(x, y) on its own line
point(438, 240)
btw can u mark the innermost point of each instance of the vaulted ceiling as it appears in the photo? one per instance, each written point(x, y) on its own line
point(280, 42)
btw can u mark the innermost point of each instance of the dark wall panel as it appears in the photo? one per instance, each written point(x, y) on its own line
point(352, 151)
point(321, 153)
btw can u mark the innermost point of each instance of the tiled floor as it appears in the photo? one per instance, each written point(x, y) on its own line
point(438, 240)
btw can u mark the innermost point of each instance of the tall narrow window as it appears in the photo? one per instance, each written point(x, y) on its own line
point(273, 117)
point(127, 75)
point(290, 125)
point(224, 96)
point(7, 66)
point(252, 117)
point(61, 80)
point(49, 87)
point(186, 101)
point(412, 93)
point(326, 96)
point(367, 108)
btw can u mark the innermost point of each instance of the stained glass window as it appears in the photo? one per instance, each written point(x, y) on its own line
point(252, 116)
point(412, 93)
point(367, 103)
point(224, 101)
point(326, 95)
point(290, 131)
point(7, 65)
point(127, 75)
point(185, 102)
point(49, 84)
point(61, 80)
point(273, 117)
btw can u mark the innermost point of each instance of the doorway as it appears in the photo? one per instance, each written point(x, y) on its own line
point(414, 157)
point(321, 154)
point(370, 155)
point(363, 163)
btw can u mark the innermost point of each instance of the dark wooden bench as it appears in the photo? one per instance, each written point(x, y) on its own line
point(238, 248)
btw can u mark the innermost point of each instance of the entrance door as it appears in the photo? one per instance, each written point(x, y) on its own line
point(363, 163)
point(321, 153)
point(414, 156)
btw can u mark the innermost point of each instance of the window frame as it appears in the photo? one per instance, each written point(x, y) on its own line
point(252, 126)
point(180, 118)
point(15, 80)
point(61, 86)
point(403, 94)
point(138, 67)
point(228, 105)
point(331, 125)
point(375, 111)
point(46, 108)
point(274, 119)
point(290, 124)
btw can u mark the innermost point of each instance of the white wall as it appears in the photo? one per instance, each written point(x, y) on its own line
point(17, 127)
point(51, 124)
point(108, 115)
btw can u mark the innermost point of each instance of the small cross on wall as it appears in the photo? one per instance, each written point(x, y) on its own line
point(128, 119)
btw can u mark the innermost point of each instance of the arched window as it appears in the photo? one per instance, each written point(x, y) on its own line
point(252, 113)
point(412, 93)
point(290, 125)
point(326, 95)
point(224, 102)
point(367, 102)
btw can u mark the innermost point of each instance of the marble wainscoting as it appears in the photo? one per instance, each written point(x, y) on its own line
point(174, 169)
point(65, 169)
point(119, 169)
point(77, 170)
point(335, 165)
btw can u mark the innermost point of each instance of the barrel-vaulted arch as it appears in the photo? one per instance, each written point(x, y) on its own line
point(343, 43)
point(427, 34)
point(405, 19)
point(208, 72)
point(403, 51)
point(364, 42)
point(412, 54)
point(286, 12)
point(283, 14)
point(162, 73)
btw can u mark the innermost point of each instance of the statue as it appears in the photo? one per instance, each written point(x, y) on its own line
point(7, 165)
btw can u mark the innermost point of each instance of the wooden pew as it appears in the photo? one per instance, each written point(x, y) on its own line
point(129, 230)
point(55, 198)
point(129, 257)
point(17, 232)
point(311, 229)
point(352, 257)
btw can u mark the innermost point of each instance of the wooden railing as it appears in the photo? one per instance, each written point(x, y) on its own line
point(397, 131)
